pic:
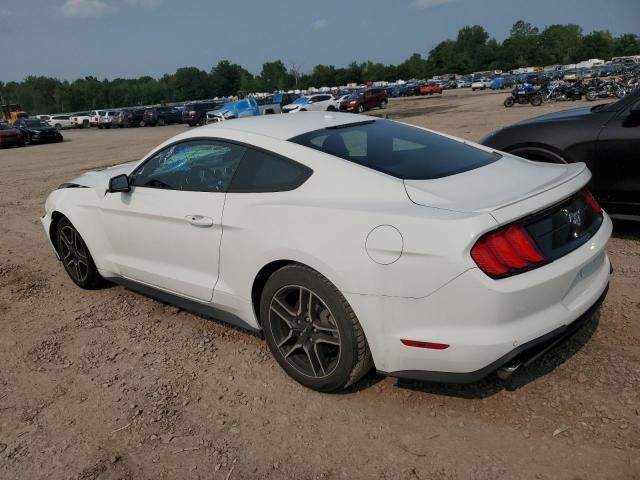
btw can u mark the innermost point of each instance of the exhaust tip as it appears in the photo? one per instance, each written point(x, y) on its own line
point(506, 371)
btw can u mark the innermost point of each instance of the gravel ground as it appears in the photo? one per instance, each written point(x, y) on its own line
point(112, 385)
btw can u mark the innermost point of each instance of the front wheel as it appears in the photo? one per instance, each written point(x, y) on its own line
point(536, 100)
point(75, 256)
point(331, 108)
point(591, 95)
point(161, 122)
point(360, 108)
point(383, 104)
point(312, 331)
point(509, 102)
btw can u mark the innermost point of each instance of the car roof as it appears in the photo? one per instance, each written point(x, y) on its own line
point(285, 126)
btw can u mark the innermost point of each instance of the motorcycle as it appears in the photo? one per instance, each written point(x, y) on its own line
point(524, 94)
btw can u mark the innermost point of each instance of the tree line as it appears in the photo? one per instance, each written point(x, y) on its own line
point(471, 51)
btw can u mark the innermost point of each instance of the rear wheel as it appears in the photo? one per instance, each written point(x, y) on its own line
point(58, 126)
point(203, 121)
point(312, 331)
point(75, 256)
point(161, 122)
point(360, 108)
point(591, 95)
point(536, 100)
point(383, 104)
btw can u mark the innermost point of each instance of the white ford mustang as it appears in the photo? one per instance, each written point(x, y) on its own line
point(348, 242)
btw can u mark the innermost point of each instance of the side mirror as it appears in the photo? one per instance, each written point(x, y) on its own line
point(119, 183)
point(634, 111)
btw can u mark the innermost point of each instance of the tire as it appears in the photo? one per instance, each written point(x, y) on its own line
point(536, 100)
point(509, 102)
point(203, 121)
point(383, 104)
point(591, 95)
point(161, 122)
point(76, 259)
point(327, 350)
point(360, 108)
point(142, 123)
point(58, 126)
point(331, 108)
point(473, 89)
point(302, 110)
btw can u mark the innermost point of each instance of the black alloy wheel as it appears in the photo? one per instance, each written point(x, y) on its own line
point(305, 331)
point(312, 330)
point(75, 256)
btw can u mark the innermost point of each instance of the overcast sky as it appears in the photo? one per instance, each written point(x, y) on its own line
point(129, 38)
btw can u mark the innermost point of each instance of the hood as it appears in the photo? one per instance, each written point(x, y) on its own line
point(100, 178)
point(494, 187)
point(565, 115)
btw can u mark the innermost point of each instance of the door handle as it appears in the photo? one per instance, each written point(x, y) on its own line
point(199, 220)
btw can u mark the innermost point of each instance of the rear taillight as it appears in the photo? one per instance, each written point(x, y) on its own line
point(591, 201)
point(506, 252)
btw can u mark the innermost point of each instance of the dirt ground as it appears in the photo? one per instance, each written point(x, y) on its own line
point(109, 384)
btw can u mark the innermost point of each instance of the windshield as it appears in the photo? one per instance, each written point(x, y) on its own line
point(5, 126)
point(397, 149)
point(35, 123)
point(301, 100)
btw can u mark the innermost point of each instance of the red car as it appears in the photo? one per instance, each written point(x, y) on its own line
point(430, 89)
point(10, 136)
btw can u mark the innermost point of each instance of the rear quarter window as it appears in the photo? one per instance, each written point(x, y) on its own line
point(262, 171)
point(397, 149)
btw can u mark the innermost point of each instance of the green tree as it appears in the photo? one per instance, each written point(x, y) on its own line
point(597, 44)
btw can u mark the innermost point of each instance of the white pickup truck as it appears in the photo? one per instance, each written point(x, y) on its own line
point(81, 119)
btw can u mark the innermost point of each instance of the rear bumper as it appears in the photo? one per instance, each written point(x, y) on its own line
point(524, 354)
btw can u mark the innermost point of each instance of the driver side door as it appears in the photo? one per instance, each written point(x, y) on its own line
point(166, 231)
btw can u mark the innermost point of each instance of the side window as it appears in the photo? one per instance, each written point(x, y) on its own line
point(264, 172)
point(196, 166)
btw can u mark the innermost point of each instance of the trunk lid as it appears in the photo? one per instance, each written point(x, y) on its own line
point(507, 189)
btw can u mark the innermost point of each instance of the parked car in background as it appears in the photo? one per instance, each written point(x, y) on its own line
point(106, 120)
point(430, 89)
point(60, 122)
point(35, 130)
point(605, 137)
point(366, 100)
point(267, 105)
point(320, 101)
point(94, 117)
point(247, 107)
point(81, 119)
point(480, 84)
point(130, 118)
point(162, 116)
point(463, 83)
point(283, 99)
point(10, 136)
point(44, 118)
point(196, 113)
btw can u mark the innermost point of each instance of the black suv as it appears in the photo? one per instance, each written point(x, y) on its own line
point(162, 116)
point(196, 113)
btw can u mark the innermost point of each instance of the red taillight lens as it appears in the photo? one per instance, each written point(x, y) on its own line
point(591, 201)
point(506, 251)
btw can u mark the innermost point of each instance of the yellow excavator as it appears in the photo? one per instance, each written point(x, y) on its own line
point(12, 112)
